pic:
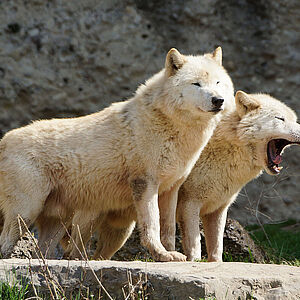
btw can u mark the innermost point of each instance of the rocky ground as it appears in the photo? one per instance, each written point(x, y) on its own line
point(144, 280)
point(68, 58)
point(238, 245)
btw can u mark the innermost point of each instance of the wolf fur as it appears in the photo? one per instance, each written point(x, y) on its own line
point(236, 154)
point(97, 166)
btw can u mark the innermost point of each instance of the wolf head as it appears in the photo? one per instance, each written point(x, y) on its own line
point(269, 125)
point(197, 85)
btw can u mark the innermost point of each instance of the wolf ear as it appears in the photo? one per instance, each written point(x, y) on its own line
point(244, 103)
point(174, 61)
point(217, 56)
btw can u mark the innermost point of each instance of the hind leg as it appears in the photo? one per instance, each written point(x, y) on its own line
point(23, 193)
point(113, 231)
point(10, 235)
point(81, 232)
point(111, 239)
point(15, 220)
point(51, 231)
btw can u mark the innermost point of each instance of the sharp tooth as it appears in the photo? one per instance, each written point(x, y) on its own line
point(277, 169)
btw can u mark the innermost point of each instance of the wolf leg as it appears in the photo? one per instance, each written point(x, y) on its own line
point(14, 227)
point(188, 220)
point(113, 231)
point(167, 208)
point(112, 234)
point(16, 216)
point(214, 224)
point(145, 194)
point(24, 190)
point(10, 234)
point(82, 230)
point(50, 233)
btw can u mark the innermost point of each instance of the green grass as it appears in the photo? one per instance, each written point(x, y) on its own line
point(227, 257)
point(19, 292)
point(12, 292)
point(281, 246)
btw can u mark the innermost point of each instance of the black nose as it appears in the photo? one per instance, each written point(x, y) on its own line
point(217, 102)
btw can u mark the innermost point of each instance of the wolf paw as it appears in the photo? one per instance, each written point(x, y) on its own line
point(178, 256)
point(170, 256)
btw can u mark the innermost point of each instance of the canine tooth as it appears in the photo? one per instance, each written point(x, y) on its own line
point(277, 169)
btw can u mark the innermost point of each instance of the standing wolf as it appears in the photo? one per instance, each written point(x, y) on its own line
point(128, 154)
point(246, 141)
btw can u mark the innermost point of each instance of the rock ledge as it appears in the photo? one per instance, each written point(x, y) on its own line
point(157, 280)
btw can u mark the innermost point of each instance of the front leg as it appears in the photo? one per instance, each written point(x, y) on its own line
point(214, 224)
point(145, 194)
point(188, 219)
point(167, 208)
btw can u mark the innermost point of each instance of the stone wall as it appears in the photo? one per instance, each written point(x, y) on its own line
point(67, 58)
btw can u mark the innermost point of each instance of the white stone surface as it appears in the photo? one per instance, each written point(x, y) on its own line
point(164, 280)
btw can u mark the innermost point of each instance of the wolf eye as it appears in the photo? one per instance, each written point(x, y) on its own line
point(281, 119)
point(197, 84)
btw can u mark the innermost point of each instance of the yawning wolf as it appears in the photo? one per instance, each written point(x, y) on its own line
point(247, 141)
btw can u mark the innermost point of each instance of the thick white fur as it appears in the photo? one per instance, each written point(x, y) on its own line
point(101, 165)
point(236, 153)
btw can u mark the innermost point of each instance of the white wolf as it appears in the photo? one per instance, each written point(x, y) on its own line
point(246, 141)
point(128, 154)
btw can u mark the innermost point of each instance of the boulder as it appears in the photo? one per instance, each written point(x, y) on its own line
point(146, 280)
point(238, 245)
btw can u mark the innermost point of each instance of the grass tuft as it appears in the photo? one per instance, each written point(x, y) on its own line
point(12, 292)
point(280, 242)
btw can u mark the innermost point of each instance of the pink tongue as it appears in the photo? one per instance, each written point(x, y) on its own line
point(277, 160)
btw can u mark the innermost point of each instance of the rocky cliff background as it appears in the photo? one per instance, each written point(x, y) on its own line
point(67, 58)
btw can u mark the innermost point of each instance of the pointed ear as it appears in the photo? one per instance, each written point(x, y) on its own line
point(245, 103)
point(217, 56)
point(174, 61)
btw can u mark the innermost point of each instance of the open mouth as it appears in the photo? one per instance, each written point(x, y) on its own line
point(274, 151)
